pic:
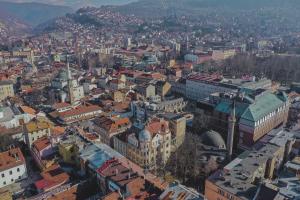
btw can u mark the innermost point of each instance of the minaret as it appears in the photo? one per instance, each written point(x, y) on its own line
point(70, 84)
point(34, 69)
point(230, 135)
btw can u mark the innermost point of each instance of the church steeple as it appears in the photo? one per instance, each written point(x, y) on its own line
point(230, 135)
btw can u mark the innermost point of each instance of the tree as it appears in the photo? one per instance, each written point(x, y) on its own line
point(6, 141)
point(200, 122)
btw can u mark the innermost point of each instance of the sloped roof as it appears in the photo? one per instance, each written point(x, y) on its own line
point(262, 106)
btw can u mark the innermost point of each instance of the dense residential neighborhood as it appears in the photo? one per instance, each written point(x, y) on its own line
point(138, 101)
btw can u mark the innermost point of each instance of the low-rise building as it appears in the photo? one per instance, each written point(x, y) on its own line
point(6, 89)
point(201, 86)
point(177, 125)
point(75, 114)
point(177, 191)
point(257, 112)
point(35, 130)
point(13, 116)
point(52, 178)
point(12, 167)
point(119, 181)
point(149, 147)
point(42, 151)
point(146, 90)
point(107, 127)
point(173, 105)
point(240, 179)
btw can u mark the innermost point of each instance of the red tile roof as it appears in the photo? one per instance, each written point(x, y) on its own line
point(53, 177)
point(41, 144)
point(11, 158)
point(156, 125)
point(79, 110)
point(112, 124)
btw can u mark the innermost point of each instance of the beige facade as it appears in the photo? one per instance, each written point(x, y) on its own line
point(6, 89)
point(177, 127)
point(149, 148)
point(36, 129)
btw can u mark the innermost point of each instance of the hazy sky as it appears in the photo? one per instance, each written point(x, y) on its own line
point(77, 3)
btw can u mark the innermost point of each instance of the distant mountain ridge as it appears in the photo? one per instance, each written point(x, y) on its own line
point(79, 3)
point(33, 13)
point(152, 8)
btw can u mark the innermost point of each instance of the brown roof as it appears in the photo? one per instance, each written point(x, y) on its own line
point(11, 158)
point(79, 110)
point(41, 144)
point(111, 124)
point(28, 110)
point(118, 173)
point(156, 125)
point(70, 194)
point(61, 105)
point(112, 196)
point(53, 177)
point(80, 191)
point(57, 131)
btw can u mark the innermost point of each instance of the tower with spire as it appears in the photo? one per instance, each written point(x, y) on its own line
point(231, 129)
point(34, 68)
point(70, 84)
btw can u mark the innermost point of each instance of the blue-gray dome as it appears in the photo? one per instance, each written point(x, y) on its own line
point(144, 136)
point(214, 139)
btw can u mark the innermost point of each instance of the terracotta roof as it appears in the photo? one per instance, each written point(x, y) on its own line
point(112, 196)
point(11, 158)
point(116, 172)
point(112, 124)
point(79, 110)
point(70, 194)
point(156, 125)
point(41, 144)
point(28, 110)
point(57, 131)
point(53, 177)
point(76, 192)
point(61, 105)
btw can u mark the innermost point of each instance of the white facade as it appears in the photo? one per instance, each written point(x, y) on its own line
point(11, 119)
point(12, 175)
point(35, 135)
point(197, 90)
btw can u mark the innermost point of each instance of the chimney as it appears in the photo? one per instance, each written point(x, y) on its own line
point(116, 171)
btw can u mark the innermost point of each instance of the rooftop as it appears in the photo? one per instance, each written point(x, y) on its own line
point(177, 191)
point(238, 176)
point(53, 177)
point(6, 82)
point(98, 154)
point(36, 125)
point(11, 158)
point(41, 144)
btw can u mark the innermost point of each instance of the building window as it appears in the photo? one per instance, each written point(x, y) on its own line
point(19, 177)
point(2, 175)
point(10, 172)
point(12, 180)
point(4, 183)
point(18, 169)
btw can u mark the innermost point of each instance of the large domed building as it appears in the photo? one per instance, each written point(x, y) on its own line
point(213, 139)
